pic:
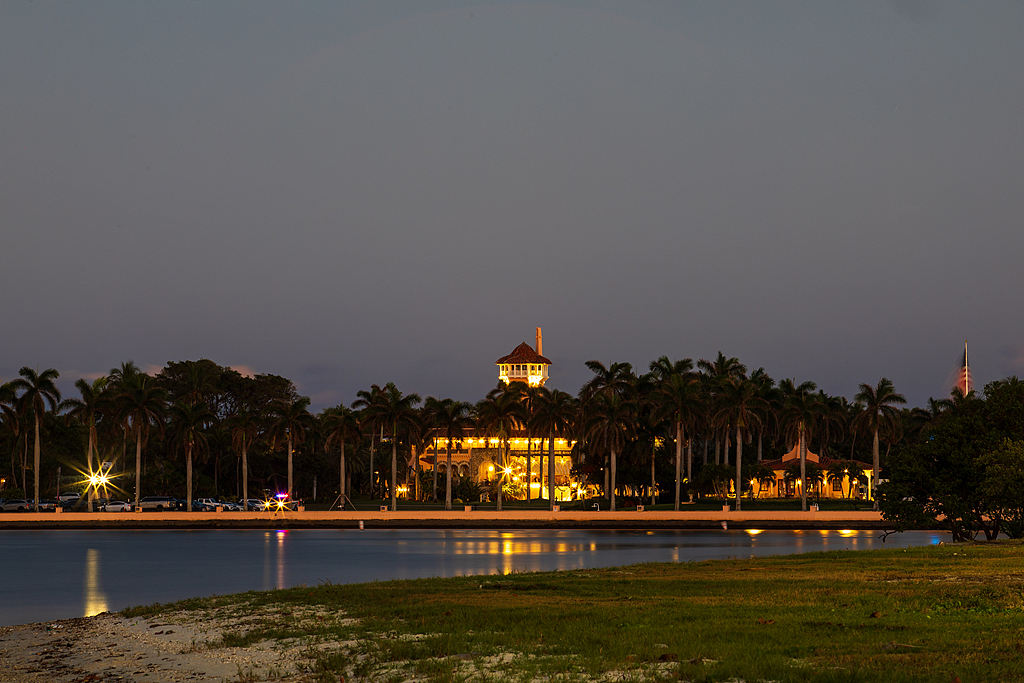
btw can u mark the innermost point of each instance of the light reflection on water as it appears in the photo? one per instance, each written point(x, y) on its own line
point(59, 570)
point(95, 601)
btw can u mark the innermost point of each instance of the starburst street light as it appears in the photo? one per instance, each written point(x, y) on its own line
point(99, 481)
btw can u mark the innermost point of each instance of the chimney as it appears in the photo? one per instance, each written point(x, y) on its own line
point(540, 343)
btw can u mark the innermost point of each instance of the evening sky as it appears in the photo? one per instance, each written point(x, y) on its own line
point(348, 193)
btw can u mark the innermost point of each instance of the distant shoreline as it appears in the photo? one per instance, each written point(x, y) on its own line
point(474, 519)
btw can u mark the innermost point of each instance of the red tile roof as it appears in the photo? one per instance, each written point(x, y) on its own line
point(823, 462)
point(523, 353)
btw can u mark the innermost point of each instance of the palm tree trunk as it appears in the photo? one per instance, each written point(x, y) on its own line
point(14, 462)
point(245, 475)
point(803, 470)
point(341, 476)
point(704, 440)
point(739, 465)
point(540, 466)
point(414, 454)
point(35, 465)
point(434, 472)
point(448, 475)
point(529, 471)
point(290, 452)
point(611, 486)
point(394, 468)
point(718, 451)
point(138, 465)
point(121, 462)
point(372, 488)
point(501, 472)
point(91, 491)
point(679, 459)
point(607, 475)
point(551, 471)
point(689, 467)
point(188, 477)
point(760, 452)
point(874, 468)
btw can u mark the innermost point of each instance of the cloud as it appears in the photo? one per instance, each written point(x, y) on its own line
point(243, 370)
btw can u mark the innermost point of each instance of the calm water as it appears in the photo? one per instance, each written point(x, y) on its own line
point(58, 574)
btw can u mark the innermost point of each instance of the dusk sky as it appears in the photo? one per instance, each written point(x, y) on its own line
point(348, 193)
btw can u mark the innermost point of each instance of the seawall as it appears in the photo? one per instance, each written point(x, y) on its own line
point(453, 519)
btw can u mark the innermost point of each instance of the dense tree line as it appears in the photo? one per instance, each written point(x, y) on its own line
point(678, 430)
point(964, 468)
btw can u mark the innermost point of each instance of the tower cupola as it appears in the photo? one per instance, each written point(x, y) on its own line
point(524, 364)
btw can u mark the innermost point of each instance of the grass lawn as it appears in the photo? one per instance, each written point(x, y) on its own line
point(937, 613)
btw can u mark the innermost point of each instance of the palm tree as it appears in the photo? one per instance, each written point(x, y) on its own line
point(12, 420)
point(245, 426)
point(766, 391)
point(188, 423)
point(616, 378)
point(717, 373)
point(451, 418)
point(530, 398)
point(38, 390)
point(85, 410)
point(429, 411)
point(291, 420)
point(676, 396)
point(397, 410)
point(367, 403)
point(879, 411)
point(610, 420)
point(341, 425)
point(500, 413)
point(554, 413)
point(742, 401)
point(799, 415)
point(141, 404)
point(119, 381)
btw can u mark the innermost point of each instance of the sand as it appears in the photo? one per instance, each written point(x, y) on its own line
point(181, 646)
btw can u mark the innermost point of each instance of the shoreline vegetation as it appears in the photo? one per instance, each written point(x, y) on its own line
point(938, 613)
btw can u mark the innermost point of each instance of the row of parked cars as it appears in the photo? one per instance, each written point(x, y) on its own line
point(155, 503)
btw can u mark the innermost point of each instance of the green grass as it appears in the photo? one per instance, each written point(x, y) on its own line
point(920, 614)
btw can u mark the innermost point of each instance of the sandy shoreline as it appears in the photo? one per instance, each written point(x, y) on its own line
point(180, 646)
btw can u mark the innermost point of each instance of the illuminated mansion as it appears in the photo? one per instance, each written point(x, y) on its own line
point(478, 455)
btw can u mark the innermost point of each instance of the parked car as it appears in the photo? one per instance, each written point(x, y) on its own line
point(158, 503)
point(69, 497)
point(15, 505)
point(204, 505)
point(48, 505)
point(252, 504)
point(116, 506)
